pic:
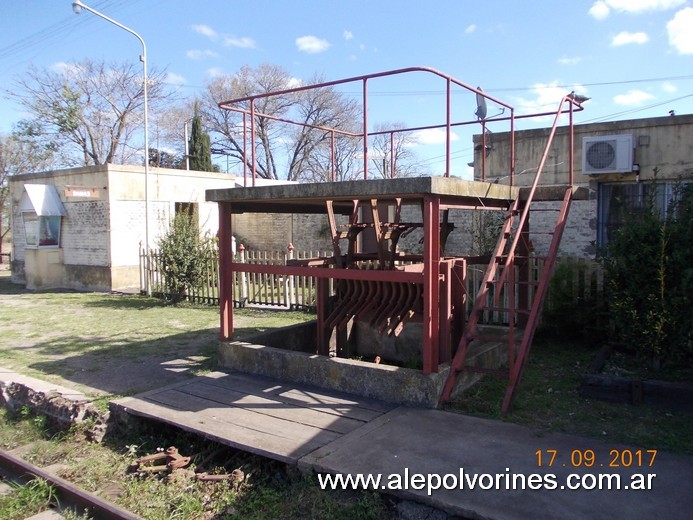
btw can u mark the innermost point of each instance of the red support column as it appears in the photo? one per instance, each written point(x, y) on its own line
point(225, 272)
point(324, 331)
point(445, 313)
point(431, 285)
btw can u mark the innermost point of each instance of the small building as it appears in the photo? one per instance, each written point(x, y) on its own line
point(84, 228)
point(615, 161)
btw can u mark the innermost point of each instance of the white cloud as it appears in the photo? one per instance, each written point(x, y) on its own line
point(599, 10)
point(679, 29)
point(602, 8)
point(205, 30)
point(243, 43)
point(348, 35)
point(175, 79)
point(294, 83)
point(65, 68)
point(433, 136)
point(570, 60)
point(547, 97)
point(312, 44)
point(669, 88)
point(470, 29)
point(195, 54)
point(626, 38)
point(215, 72)
point(633, 97)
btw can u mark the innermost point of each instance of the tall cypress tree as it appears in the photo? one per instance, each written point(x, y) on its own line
point(199, 146)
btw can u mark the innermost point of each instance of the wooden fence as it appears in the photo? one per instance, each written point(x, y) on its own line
point(574, 279)
point(257, 289)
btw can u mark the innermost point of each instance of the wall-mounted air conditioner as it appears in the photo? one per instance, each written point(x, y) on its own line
point(607, 154)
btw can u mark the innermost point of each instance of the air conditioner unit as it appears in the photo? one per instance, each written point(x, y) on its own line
point(607, 154)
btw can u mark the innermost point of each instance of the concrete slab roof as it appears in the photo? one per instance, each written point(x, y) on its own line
point(311, 197)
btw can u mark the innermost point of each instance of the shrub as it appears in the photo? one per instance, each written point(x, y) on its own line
point(649, 281)
point(575, 306)
point(184, 254)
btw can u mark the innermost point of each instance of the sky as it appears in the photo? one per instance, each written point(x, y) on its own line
point(633, 58)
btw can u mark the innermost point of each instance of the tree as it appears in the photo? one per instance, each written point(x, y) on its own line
point(282, 150)
point(184, 256)
point(90, 111)
point(164, 159)
point(393, 151)
point(649, 279)
point(18, 156)
point(199, 147)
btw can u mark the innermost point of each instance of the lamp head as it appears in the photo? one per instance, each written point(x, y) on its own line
point(77, 6)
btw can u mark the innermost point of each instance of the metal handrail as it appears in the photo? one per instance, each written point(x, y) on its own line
point(228, 105)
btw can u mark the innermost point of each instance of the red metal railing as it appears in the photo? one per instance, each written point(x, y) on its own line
point(365, 134)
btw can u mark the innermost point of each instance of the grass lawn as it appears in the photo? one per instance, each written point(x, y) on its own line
point(112, 344)
point(547, 400)
point(116, 345)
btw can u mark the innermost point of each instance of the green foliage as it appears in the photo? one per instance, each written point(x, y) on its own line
point(199, 146)
point(649, 279)
point(184, 253)
point(27, 500)
point(486, 227)
point(574, 306)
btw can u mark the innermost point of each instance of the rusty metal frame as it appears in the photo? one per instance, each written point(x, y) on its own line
point(364, 81)
point(503, 259)
point(390, 293)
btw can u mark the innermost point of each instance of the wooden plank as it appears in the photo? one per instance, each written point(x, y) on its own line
point(273, 408)
point(306, 395)
point(215, 430)
point(243, 429)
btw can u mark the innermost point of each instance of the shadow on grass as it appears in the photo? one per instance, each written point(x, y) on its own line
point(121, 366)
point(7, 287)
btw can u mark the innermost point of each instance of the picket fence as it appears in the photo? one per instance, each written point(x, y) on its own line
point(253, 289)
point(579, 279)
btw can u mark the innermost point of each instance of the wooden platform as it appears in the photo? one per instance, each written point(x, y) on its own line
point(275, 419)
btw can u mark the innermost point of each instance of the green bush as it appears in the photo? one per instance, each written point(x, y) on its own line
point(184, 254)
point(574, 305)
point(649, 282)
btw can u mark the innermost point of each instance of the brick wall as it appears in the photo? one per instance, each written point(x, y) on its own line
point(85, 233)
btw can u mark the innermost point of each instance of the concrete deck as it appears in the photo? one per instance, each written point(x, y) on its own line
point(442, 443)
point(311, 197)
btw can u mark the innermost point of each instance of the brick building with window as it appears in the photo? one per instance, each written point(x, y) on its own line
point(616, 161)
point(82, 228)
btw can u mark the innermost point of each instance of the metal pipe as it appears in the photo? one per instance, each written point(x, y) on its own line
point(77, 6)
point(365, 128)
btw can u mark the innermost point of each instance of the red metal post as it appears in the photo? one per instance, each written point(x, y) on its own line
point(431, 285)
point(225, 272)
point(571, 151)
point(392, 155)
point(332, 167)
point(324, 332)
point(483, 150)
point(365, 128)
point(245, 154)
point(512, 147)
point(447, 128)
point(252, 136)
point(446, 316)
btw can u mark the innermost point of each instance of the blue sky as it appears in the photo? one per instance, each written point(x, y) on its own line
point(634, 58)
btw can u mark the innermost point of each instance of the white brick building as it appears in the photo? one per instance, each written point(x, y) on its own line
point(82, 228)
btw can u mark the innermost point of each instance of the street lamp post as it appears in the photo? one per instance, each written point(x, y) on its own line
point(77, 7)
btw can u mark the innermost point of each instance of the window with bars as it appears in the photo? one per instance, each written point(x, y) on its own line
point(619, 203)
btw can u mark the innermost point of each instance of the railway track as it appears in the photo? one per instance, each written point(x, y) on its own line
point(19, 470)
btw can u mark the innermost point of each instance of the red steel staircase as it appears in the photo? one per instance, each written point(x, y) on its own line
point(505, 286)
